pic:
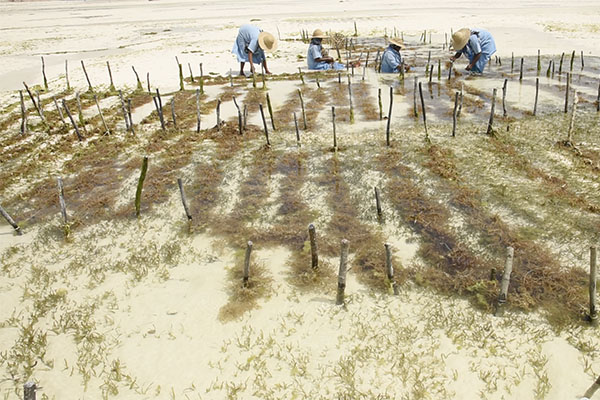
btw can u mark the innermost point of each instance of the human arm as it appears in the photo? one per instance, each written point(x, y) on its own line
point(265, 65)
point(251, 63)
point(455, 56)
point(473, 62)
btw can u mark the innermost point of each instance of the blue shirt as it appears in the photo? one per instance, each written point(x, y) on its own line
point(480, 41)
point(247, 40)
point(390, 60)
point(315, 50)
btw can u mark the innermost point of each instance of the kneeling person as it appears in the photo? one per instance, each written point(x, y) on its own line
point(391, 60)
point(476, 44)
point(315, 58)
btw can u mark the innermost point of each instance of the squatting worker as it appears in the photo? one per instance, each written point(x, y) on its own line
point(250, 46)
point(315, 57)
point(391, 60)
point(476, 44)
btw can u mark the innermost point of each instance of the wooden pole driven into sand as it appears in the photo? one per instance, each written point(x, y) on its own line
point(263, 77)
point(378, 203)
point(350, 99)
point(79, 137)
point(549, 69)
point(502, 297)
point(124, 109)
point(140, 186)
point(61, 200)
point(302, 105)
point(218, 111)
point(173, 112)
point(24, 114)
point(245, 115)
point(537, 90)
point(184, 200)
point(159, 109)
point(553, 65)
point(67, 75)
point(572, 121)
point(567, 92)
point(270, 108)
point(11, 221)
point(460, 103)
point(192, 74)
point(39, 103)
point(80, 112)
point(450, 70)
point(539, 63)
point(201, 79)
point(318, 83)
point(593, 316)
point(490, 128)
point(60, 113)
point(389, 121)
point(29, 389)
point(239, 111)
point(582, 61)
point(129, 115)
point(262, 114)
point(297, 130)
point(562, 58)
point(180, 67)
point(504, 87)
point(454, 114)
point(592, 389)
point(512, 62)
point(46, 80)
point(380, 104)
point(314, 252)
point(112, 85)
point(87, 78)
point(415, 109)
point(301, 75)
point(138, 82)
point(198, 118)
point(572, 60)
point(342, 272)
point(389, 269)
point(598, 98)
point(439, 75)
point(247, 264)
point(106, 130)
point(333, 122)
point(148, 82)
point(521, 71)
point(36, 105)
point(423, 111)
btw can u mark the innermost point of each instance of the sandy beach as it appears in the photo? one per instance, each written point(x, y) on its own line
point(108, 305)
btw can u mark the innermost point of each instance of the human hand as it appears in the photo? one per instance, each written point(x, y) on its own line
point(452, 59)
point(469, 67)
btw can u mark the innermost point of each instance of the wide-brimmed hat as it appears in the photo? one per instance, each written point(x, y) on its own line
point(267, 42)
point(460, 38)
point(319, 34)
point(397, 42)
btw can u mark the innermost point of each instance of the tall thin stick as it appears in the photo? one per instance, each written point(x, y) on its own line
point(537, 90)
point(198, 118)
point(342, 272)
point(240, 122)
point(297, 130)
point(90, 88)
point(124, 109)
point(67, 75)
point(592, 287)
point(173, 112)
point(389, 121)
point(539, 63)
point(24, 114)
point(350, 98)
point(36, 105)
point(106, 130)
point(423, 111)
point(454, 114)
point(192, 74)
point(460, 103)
point(314, 252)
point(521, 71)
point(11, 221)
point(302, 105)
point(44, 74)
point(148, 82)
point(491, 120)
point(159, 109)
point(262, 114)
point(184, 200)
point(562, 57)
point(504, 113)
point(80, 112)
point(582, 62)
point(79, 137)
point(572, 60)
point(247, 264)
point(58, 109)
point(112, 85)
point(567, 92)
point(502, 297)
point(180, 67)
point(380, 104)
point(270, 108)
point(218, 111)
point(378, 203)
point(201, 79)
point(389, 269)
point(138, 192)
point(333, 122)
point(129, 115)
point(415, 109)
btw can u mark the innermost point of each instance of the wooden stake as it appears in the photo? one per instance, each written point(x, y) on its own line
point(378, 203)
point(582, 62)
point(180, 67)
point(549, 69)
point(562, 57)
point(572, 60)
point(297, 130)
point(129, 115)
point(148, 82)
point(512, 62)
point(593, 316)
point(192, 74)
point(592, 389)
point(124, 109)
point(460, 103)
point(350, 98)
point(302, 105)
point(61, 200)
point(262, 75)
point(24, 129)
point(537, 90)
point(11, 221)
point(567, 92)
point(79, 137)
point(218, 110)
point(423, 111)
point(389, 269)
point(572, 121)
point(313, 247)
point(539, 63)
point(240, 123)
point(245, 115)
point(159, 109)
point(46, 80)
point(521, 71)
point(454, 114)
point(80, 112)
point(137, 78)
point(262, 114)
point(333, 122)
point(389, 121)
point(598, 98)
point(39, 102)
point(380, 104)
point(106, 130)
point(415, 109)
point(173, 112)
point(67, 75)
point(439, 76)
point(184, 200)
point(37, 107)
point(247, 263)
point(342, 272)
point(301, 75)
point(491, 121)
point(90, 88)
point(201, 79)
point(60, 113)
point(502, 298)
point(198, 119)
point(504, 97)
point(138, 192)
point(29, 389)
point(270, 109)
point(112, 85)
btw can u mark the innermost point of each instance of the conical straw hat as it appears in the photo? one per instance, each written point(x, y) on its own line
point(319, 34)
point(397, 42)
point(267, 42)
point(460, 38)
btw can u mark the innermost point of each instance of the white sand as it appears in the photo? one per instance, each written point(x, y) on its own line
point(162, 331)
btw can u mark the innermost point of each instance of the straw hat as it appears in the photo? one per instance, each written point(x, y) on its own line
point(319, 34)
point(267, 42)
point(397, 42)
point(460, 38)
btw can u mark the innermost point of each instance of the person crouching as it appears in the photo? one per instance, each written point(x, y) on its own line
point(315, 58)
